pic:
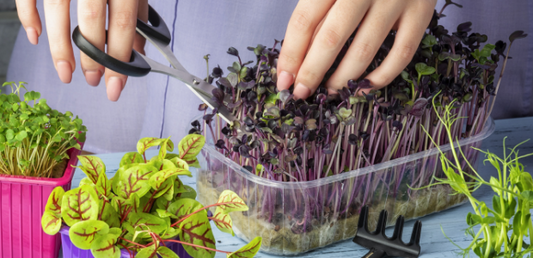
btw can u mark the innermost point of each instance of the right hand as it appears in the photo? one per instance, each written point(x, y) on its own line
point(92, 20)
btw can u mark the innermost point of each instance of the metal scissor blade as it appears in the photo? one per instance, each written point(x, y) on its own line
point(199, 87)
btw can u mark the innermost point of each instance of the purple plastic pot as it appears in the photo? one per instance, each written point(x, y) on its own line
point(71, 251)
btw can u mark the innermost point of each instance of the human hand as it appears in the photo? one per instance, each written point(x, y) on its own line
point(121, 36)
point(318, 30)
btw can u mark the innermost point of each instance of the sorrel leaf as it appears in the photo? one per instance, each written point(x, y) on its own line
point(51, 222)
point(147, 142)
point(190, 146)
point(92, 166)
point(179, 163)
point(163, 181)
point(105, 246)
point(82, 234)
point(145, 222)
point(184, 206)
point(131, 158)
point(165, 252)
point(191, 193)
point(53, 204)
point(134, 180)
point(197, 230)
point(108, 214)
point(223, 221)
point(249, 250)
point(79, 204)
point(147, 252)
point(230, 201)
point(103, 187)
point(166, 145)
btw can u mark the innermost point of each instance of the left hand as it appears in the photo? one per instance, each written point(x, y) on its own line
point(318, 29)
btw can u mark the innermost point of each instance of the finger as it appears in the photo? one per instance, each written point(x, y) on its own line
point(411, 28)
point(371, 33)
point(57, 17)
point(121, 33)
point(91, 19)
point(30, 20)
point(142, 14)
point(340, 23)
point(304, 20)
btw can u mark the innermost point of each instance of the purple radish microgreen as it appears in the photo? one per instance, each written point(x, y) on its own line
point(142, 208)
point(287, 140)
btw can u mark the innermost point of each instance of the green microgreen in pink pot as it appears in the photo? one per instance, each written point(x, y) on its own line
point(144, 207)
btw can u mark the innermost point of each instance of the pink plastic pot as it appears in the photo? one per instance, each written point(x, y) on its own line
point(71, 251)
point(22, 203)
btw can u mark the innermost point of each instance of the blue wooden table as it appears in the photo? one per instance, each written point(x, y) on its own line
point(433, 242)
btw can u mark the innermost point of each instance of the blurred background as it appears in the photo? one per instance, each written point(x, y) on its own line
point(9, 26)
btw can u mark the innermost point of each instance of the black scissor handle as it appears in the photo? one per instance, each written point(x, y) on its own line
point(137, 66)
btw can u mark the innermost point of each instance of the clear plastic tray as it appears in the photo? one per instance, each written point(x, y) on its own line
point(296, 217)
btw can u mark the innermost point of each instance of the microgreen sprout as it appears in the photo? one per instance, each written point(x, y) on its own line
point(34, 138)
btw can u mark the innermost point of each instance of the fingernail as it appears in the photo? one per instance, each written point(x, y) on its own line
point(32, 35)
point(64, 70)
point(301, 91)
point(114, 88)
point(93, 77)
point(285, 80)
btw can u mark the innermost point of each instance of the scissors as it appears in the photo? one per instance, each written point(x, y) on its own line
point(139, 65)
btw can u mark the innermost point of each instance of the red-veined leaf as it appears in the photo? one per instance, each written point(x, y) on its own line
point(51, 222)
point(184, 206)
point(197, 230)
point(147, 142)
point(230, 201)
point(180, 163)
point(166, 145)
point(108, 214)
point(147, 252)
point(83, 233)
point(92, 166)
point(190, 146)
point(145, 222)
point(79, 204)
point(165, 252)
point(103, 187)
point(53, 204)
point(131, 158)
point(134, 180)
point(249, 250)
point(105, 246)
point(223, 221)
point(163, 180)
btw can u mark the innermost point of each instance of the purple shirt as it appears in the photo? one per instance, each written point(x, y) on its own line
point(159, 106)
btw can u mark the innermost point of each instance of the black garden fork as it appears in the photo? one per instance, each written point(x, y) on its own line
point(379, 244)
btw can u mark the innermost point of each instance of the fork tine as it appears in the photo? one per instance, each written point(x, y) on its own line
point(382, 222)
point(417, 231)
point(363, 216)
point(398, 228)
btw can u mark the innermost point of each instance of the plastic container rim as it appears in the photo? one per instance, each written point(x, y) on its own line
point(486, 132)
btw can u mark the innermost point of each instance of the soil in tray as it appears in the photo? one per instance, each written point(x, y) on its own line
point(279, 238)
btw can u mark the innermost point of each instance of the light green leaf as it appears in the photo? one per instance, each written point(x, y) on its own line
point(103, 187)
point(171, 233)
point(54, 201)
point(223, 221)
point(167, 145)
point(197, 230)
point(92, 166)
point(87, 181)
point(180, 163)
point(83, 233)
point(190, 146)
point(147, 252)
point(230, 201)
point(51, 222)
point(194, 163)
point(105, 246)
point(145, 222)
point(184, 206)
point(79, 204)
point(109, 214)
point(249, 250)
point(134, 180)
point(147, 142)
point(165, 252)
point(423, 69)
point(131, 158)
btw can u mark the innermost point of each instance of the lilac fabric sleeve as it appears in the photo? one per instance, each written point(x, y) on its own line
point(159, 106)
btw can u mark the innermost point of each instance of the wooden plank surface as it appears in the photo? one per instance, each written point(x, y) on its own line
point(433, 242)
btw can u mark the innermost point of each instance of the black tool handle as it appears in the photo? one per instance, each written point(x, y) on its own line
point(136, 66)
